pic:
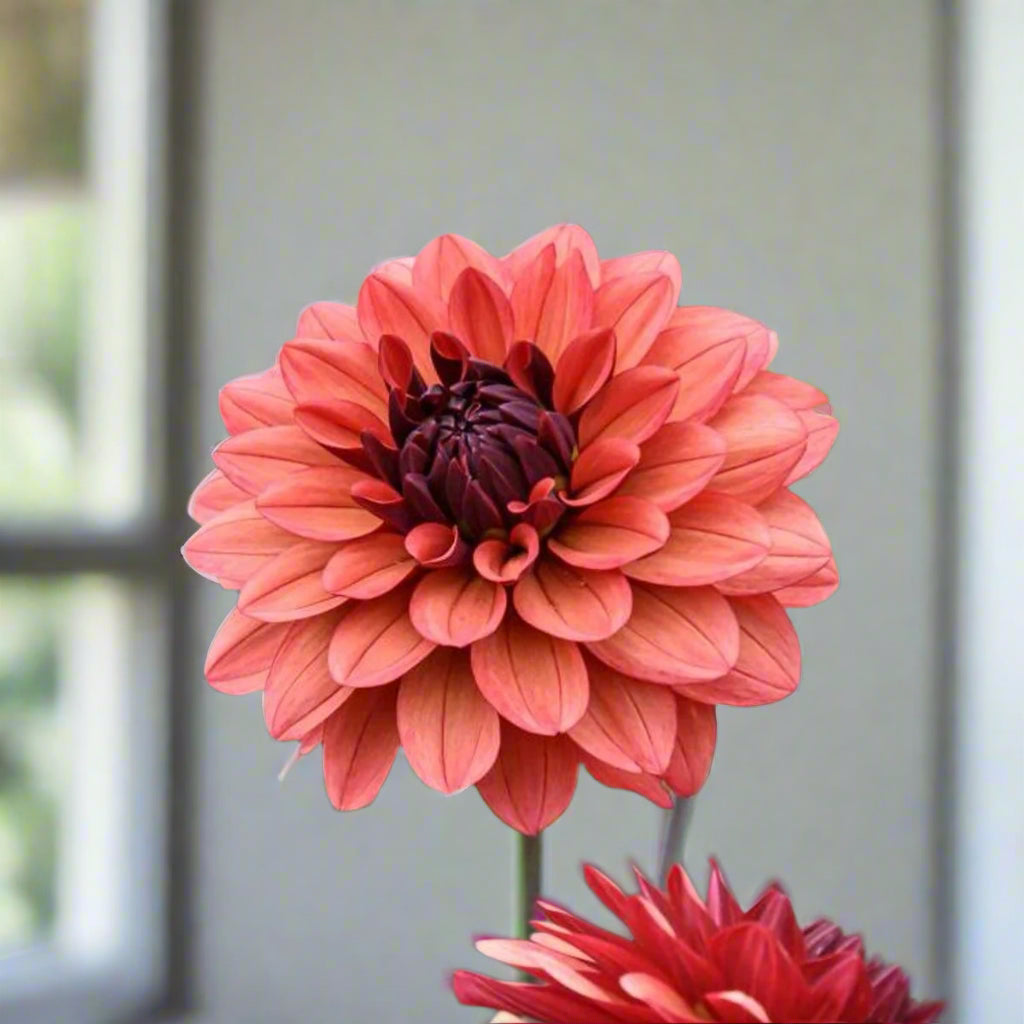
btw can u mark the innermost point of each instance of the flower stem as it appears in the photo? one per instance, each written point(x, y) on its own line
point(527, 888)
point(673, 833)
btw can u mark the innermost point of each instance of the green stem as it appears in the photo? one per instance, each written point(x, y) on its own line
point(673, 833)
point(527, 888)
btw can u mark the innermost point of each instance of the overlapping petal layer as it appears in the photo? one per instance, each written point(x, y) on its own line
point(514, 515)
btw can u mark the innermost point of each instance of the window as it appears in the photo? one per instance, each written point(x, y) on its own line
point(87, 539)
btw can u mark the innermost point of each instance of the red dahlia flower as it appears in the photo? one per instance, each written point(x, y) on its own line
point(514, 514)
point(691, 960)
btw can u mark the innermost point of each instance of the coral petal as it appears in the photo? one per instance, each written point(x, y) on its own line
point(632, 405)
point(258, 458)
point(532, 780)
point(455, 607)
point(822, 431)
point(583, 369)
point(812, 590)
point(694, 749)
point(316, 371)
point(333, 321)
point(568, 308)
point(505, 561)
point(572, 603)
point(289, 585)
point(443, 260)
point(214, 494)
point(368, 566)
point(435, 544)
point(532, 679)
point(611, 533)
point(257, 400)
point(600, 468)
point(797, 394)
point(530, 293)
point(317, 503)
point(360, 742)
point(450, 734)
point(566, 239)
point(242, 652)
point(340, 424)
point(675, 635)
point(480, 315)
point(636, 307)
point(649, 786)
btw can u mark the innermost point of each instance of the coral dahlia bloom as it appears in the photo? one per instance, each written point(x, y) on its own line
point(691, 961)
point(513, 515)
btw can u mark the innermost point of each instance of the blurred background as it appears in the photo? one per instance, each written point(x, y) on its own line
point(178, 178)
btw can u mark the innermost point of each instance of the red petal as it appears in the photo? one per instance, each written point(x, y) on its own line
point(360, 743)
point(632, 405)
point(765, 442)
point(234, 544)
point(600, 468)
point(242, 652)
point(330, 320)
point(258, 400)
point(442, 260)
point(376, 641)
point(812, 590)
point(648, 786)
point(530, 678)
point(300, 692)
point(566, 239)
point(289, 585)
point(505, 561)
point(339, 424)
point(821, 435)
point(674, 635)
point(576, 604)
point(712, 538)
point(532, 781)
point(480, 314)
point(694, 750)
point(629, 724)
point(214, 494)
point(256, 459)
point(768, 666)
point(318, 504)
point(319, 371)
point(583, 369)
point(737, 1006)
point(636, 307)
point(611, 533)
point(797, 394)
point(675, 464)
point(450, 734)
point(455, 607)
point(799, 547)
point(368, 567)
point(663, 1000)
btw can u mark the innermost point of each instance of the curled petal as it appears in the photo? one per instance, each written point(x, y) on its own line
point(455, 607)
point(436, 545)
point(600, 468)
point(360, 742)
point(480, 314)
point(694, 748)
point(258, 400)
point(300, 692)
point(318, 504)
point(532, 679)
point(767, 667)
point(505, 561)
point(632, 405)
point(611, 533)
point(340, 424)
point(812, 590)
point(258, 458)
point(636, 307)
point(368, 566)
point(676, 464)
point(583, 369)
point(318, 371)
point(384, 502)
point(333, 321)
point(675, 635)
point(566, 239)
point(450, 734)
point(289, 586)
point(376, 642)
point(649, 786)
point(242, 652)
point(712, 538)
point(628, 723)
point(532, 780)
point(822, 431)
point(442, 261)
point(573, 603)
point(214, 494)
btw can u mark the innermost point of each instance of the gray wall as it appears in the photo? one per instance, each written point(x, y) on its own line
point(785, 152)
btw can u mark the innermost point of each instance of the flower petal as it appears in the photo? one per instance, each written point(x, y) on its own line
point(257, 400)
point(532, 679)
point(532, 781)
point(675, 635)
point(765, 442)
point(660, 997)
point(568, 307)
point(822, 431)
point(600, 468)
point(636, 307)
point(572, 603)
point(214, 494)
point(436, 545)
point(442, 260)
point(376, 642)
point(360, 743)
point(812, 590)
point(289, 585)
point(505, 561)
point(317, 371)
point(242, 652)
point(317, 503)
point(454, 607)
point(340, 424)
point(300, 692)
point(799, 547)
point(694, 749)
point(258, 458)
point(234, 544)
point(329, 320)
point(368, 566)
point(450, 734)
point(611, 533)
point(629, 724)
point(583, 369)
point(675, 464)
point(632, 405)
point(712, 538)
point(768, 665)
point(481, 316)
point(649, 786)
point(653, 261)
point(737, 1006)
point(566, 239)
point(797, 394)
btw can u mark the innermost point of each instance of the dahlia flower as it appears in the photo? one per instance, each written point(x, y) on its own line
point(690, 960)
point(514, 515)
